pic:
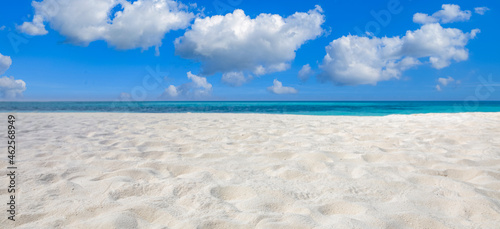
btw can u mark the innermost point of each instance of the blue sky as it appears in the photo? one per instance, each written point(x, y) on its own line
point(437, 55)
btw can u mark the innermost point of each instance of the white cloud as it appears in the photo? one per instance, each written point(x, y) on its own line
point(34, 28)
point(2, 27)
point(481, 10)
point(305, 72)
point(5, 63)
point(278, 88)
point(198, 87)
point(235, 79)
point(422, 18)
point(449, 13)
point(200, 82)
point(446, 81)
point(141, 24)
point(440, 44)
point(11, 88)
point(171, 91)
point(353, 60)
point(237, 43)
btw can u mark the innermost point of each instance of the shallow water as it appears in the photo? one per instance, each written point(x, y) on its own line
point(303, 108)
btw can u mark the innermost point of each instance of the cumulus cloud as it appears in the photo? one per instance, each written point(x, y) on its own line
point(422, 18)
point(278, 88)
point(443, 82)
point(440, 44)
point(141, 24)
point(237, 43)
point(5, 63)
point(446, 81)
point(354, 60)
point(200, 82)
point(305, 72)
point(481, 10)
point(171, 91)
point(10, 88)
point(235, 79)
point(35, 27)
point(449, 13)
point(198, 87)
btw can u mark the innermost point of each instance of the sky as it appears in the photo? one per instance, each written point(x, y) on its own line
point(225, 50)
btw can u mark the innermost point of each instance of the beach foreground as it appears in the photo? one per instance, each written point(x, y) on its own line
point(119, 170)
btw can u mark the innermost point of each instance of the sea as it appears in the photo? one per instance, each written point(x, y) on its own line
point(358, 108)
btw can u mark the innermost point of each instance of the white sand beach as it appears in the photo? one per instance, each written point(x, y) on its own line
point(117, 170)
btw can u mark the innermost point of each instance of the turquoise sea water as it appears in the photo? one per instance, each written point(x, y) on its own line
point(303, 108)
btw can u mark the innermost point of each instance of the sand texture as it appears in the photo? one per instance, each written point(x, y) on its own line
point(112, 170)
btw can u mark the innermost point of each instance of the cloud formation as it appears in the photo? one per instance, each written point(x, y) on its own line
point(35, 27)
point(141, 24)
point(235, 79)
point(279, 89)
point(449, 13)
point(443, 82)
point(441, 45)
point(171, 91)
point(237, 43)
point(5, 63)
point(198, 87)
point(355, 60)
point(305, 72)
point(481, 10)
point(10, 88)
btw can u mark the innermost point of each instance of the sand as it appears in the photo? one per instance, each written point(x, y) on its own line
point(112, 170)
